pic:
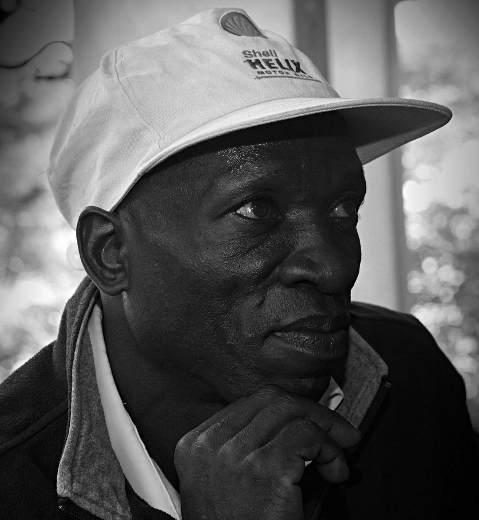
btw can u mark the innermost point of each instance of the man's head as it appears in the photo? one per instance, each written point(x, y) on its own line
point(232, 262)
point(222, 177)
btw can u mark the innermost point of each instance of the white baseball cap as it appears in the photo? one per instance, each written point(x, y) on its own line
point(210, 75)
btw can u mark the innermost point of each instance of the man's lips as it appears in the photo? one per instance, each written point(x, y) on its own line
point(317, 336)
point(324, 324)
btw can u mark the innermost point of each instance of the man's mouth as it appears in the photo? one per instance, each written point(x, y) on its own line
point(324, 324)
point(321, 337)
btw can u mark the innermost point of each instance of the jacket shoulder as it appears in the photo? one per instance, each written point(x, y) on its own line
point(33, 422)
point(419, 370)
point(416, 363)
point(31, 398)
point(381, 324)
point(361, 311)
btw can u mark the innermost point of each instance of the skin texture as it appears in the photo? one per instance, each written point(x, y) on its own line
point(225, 277)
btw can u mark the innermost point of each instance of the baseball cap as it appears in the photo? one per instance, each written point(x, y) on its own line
point(215, 73)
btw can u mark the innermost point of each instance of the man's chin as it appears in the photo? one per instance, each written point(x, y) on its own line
point(308, 387)
point(311, 383)
point(307, 378)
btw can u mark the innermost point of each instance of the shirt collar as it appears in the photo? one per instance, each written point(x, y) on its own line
point(333, 396)
point(141, 471)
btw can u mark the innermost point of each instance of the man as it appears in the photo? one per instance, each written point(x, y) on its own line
point(212, 365)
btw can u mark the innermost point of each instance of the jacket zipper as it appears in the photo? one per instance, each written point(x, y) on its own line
point(378, 400)
point(375, 405)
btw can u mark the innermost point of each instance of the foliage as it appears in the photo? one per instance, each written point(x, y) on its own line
point(445, 280)
point(35, 278)
point(442, 224)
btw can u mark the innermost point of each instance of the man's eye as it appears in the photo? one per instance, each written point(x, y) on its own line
point(346, 209)
point(258, 209)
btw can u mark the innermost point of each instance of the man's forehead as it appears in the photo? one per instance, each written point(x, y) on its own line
point(295, 153)
point(257, 152)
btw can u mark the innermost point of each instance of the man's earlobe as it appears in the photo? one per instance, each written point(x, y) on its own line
point(102, 249)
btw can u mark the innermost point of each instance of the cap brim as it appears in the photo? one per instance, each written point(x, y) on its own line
point(376, 126)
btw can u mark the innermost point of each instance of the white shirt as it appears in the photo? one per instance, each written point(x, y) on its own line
point(141, 471)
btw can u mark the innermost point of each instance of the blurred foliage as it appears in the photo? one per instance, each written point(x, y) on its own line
point(445, 280)
point(442, 223)
point(35, 278)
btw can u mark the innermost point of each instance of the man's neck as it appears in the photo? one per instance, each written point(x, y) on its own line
point(163, 404)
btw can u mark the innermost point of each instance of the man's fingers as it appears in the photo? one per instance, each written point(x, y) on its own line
point(237, 415)
point(336, 426)
point(343, 432)
point(253, 421)
point(304, 440)
point(283, 408)
point(335, 471)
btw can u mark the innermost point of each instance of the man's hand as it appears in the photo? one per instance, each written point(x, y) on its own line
point(246, 461)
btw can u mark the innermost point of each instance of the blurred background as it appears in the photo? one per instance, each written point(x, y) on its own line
point(419, 226)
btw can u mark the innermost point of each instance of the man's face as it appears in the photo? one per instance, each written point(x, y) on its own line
point(241, 262)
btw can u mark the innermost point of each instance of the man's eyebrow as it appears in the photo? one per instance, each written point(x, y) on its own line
point(254, 172)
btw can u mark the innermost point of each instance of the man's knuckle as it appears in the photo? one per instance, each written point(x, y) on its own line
point(201, 444)
point(271, 391)
point(256, 465)
point(183, 444)
point(285, 402)
point(308, 425)
point(193, 445)
point(305, 429)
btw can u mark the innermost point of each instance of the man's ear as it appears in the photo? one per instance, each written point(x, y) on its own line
point(102, 249)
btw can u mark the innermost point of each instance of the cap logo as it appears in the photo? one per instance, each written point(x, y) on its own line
point(239, 25)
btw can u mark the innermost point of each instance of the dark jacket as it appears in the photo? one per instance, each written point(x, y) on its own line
point(417, 460)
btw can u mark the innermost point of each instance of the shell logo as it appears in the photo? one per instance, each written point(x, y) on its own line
point(239, 25)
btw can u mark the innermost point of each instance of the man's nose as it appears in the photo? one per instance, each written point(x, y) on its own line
point(323, 264)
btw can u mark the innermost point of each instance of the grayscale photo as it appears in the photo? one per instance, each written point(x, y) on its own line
point(239, 259)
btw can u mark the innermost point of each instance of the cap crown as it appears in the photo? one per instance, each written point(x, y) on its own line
point(151, 92)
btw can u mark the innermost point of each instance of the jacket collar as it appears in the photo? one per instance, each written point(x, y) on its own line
point(89, 473)
point(364, 372)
